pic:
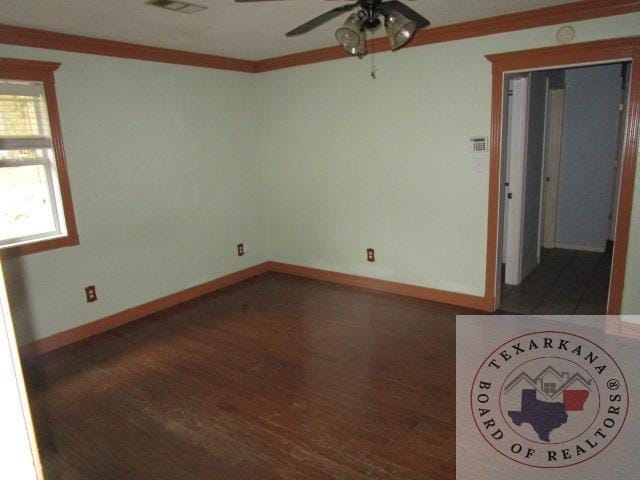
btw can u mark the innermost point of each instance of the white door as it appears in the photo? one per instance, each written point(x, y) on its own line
point(552, 166)
point(19, 458)
point(518, 119)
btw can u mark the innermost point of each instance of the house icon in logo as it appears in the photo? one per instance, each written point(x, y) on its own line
point(549, 383)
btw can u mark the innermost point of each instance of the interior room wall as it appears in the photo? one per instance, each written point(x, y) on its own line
point(162, 165)
point(166, 163)
point(589, 148)
point(352, 163)
point(631, 297)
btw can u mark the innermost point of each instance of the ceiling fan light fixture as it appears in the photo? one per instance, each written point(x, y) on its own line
point(399, 29)
point(361, 49)
point(351, 35)
point(362, 46)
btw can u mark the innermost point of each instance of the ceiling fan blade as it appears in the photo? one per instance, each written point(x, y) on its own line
point(408, 12)
point(320, 19)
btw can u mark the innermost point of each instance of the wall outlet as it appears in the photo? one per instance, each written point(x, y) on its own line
point(240, 249)
point(371, 256)
point(90, 292)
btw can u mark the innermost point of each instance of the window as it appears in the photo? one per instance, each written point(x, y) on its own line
point(549, 388)
point(36, 212)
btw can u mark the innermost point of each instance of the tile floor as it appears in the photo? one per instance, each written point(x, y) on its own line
point(565, 282)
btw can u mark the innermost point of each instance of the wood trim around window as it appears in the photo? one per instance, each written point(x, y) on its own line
point(14, 69)
point(604, 51)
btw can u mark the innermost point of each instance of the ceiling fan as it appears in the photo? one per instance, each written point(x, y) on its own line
point(400, 22)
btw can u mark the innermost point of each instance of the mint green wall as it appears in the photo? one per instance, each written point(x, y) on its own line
point(631, 297)
point(162, 163)
point(171, 166)
point(352, 163)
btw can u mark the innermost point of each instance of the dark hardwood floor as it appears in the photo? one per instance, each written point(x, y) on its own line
point(277, 377)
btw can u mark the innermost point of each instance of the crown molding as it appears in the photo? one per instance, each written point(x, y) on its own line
point(541, 17)
point(29, 37)
point(571, 12)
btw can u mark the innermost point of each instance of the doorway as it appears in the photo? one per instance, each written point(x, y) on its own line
point(569, 56)
point(560, 169)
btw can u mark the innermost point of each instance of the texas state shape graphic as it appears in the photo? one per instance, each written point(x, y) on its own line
point(543, 416)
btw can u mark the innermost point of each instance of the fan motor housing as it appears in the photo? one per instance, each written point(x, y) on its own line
point(371, 23)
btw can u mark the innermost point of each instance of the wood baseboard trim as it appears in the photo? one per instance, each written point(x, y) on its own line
point(76, 334)
point(404, 289)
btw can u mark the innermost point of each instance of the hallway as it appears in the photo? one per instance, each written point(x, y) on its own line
point(565, 282)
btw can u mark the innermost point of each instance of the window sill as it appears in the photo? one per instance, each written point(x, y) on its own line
point(40, 246)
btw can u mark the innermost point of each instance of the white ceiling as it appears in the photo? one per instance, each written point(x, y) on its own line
point(251, 31)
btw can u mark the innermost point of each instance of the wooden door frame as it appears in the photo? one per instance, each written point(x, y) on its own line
point(596, 52)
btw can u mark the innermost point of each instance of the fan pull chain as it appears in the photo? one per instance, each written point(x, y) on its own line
point(373, 58)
